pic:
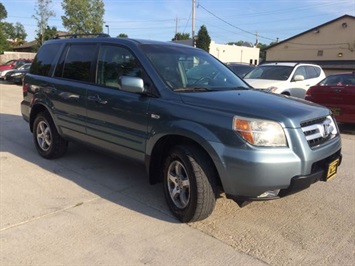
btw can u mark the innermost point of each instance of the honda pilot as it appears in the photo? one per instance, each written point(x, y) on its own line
point(196, 126)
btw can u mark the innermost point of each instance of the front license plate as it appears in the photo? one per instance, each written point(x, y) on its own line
point(332, 169)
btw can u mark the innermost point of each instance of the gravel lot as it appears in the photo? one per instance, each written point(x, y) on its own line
point(91, 208)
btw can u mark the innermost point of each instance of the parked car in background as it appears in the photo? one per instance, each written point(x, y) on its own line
point(15, 63)
point(337, 92)
point(12, 64)
point(17, 75)
point(291, 79)
point(4, 72)
point(240, 69)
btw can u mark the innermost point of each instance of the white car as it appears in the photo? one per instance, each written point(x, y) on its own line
point(292, 79)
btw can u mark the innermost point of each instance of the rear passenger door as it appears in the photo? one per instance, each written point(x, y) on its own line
point(73, 74)
point(117, 120)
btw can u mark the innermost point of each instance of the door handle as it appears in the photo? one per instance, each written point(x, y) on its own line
point(97, 99)
point(50, 89)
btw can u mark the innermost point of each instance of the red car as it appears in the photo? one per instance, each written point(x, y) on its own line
point(15, 63)
point(337, 92)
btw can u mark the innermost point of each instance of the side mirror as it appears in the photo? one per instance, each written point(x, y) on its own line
point(298, 78)
point(132, 84)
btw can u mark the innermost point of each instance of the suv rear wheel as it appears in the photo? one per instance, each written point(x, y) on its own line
point(49, 143)
point(187, 184)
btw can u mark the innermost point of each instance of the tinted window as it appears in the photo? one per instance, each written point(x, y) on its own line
point(77, 63)
point(114, 62)
point(44, 59)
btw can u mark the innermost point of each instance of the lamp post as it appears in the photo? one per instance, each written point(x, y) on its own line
point(108, 29)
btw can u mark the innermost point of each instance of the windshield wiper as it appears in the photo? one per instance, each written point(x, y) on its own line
point(241, 88)
point(195, 89)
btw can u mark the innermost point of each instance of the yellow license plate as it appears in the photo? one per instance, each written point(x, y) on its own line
point(332, 169)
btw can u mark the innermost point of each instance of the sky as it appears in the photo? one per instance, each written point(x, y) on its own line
point(226, 20)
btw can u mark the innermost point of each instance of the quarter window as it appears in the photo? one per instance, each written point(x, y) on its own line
point(44, 59)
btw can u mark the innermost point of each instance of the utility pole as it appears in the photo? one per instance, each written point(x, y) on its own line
point(193, 21)
point(256, 39)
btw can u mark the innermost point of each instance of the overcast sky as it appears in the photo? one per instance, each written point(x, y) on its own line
point(226, 20)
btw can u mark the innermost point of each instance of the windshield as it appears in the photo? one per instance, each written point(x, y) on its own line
point(270, 72)
point(187, 69)
point(9, 63)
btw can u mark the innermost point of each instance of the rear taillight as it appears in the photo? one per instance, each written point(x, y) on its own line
point(25, 88)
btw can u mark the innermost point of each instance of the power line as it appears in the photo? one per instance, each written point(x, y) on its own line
point(263, 37)
point(248, 32)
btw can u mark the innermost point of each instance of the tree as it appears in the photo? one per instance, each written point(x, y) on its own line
point(203, 39)
point(11, 35)
point(4, 44)
point(49, 33)
point(14, 32)
point(3, 12)
point(122, 35)
point(181, 36)
point(43, 13)
point(239, 43)
point(83, 16)
point(20, 33)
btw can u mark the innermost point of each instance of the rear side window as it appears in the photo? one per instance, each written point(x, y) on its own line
point(78, 62)
point(44, 59)
point(312, 72)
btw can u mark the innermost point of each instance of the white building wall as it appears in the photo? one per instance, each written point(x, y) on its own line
point(233, 53)
point(7, 56)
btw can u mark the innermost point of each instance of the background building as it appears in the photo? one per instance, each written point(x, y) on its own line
point(330, 45)
point(237, 54)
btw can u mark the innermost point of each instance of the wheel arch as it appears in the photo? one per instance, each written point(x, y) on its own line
point(155, 161)
point(35, 110)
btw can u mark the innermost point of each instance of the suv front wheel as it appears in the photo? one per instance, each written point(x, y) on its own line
point(187, 184)
point(49, 143)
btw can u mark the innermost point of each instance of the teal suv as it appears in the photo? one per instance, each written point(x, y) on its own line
point(198, 128)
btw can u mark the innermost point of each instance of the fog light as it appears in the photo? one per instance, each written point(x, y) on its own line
point(269, 194)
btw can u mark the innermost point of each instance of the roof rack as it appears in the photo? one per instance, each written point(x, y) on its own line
point(82, 35)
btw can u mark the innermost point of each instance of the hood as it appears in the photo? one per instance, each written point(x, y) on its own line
point(257, 104)
point(265, 83)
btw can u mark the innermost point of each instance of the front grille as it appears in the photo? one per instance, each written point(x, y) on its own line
point(319, 131)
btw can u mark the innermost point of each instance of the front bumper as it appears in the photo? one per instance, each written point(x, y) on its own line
point(298, 183)
point(249, 174)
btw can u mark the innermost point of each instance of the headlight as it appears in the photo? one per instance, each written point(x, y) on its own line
point(260, 132)
point(16, 74)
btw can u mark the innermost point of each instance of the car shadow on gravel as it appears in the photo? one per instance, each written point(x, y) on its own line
point(116, 179)
point(347, 128)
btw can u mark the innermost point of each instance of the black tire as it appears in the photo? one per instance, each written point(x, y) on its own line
point(48, 142)
point(188, 184)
